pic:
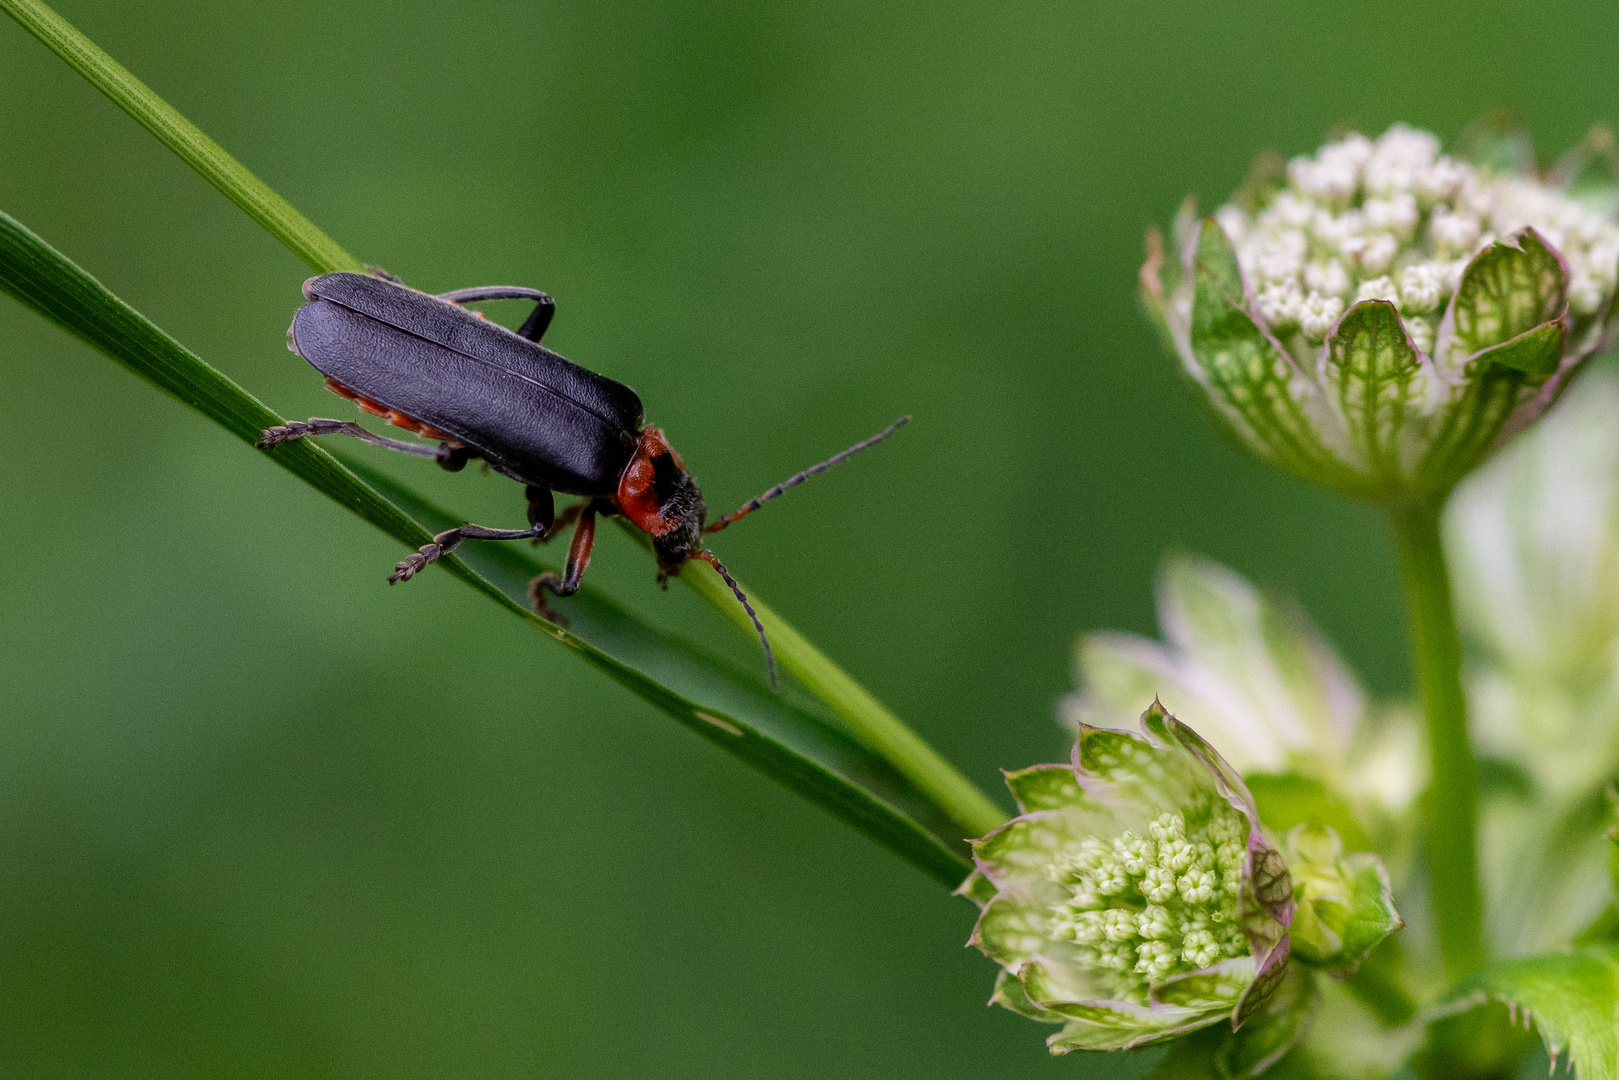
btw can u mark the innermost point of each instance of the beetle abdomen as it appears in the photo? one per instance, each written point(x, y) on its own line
point(532, 413)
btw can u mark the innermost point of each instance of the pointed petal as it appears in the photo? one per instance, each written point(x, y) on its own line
point(1474, 421)
point(1045, 787)
point(1509, 288)
point(1376, 378)
point(1248, 377)
point(1009, 995)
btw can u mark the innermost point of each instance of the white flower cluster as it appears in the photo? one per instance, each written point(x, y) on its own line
point(1144, 908)
point(1394, 219)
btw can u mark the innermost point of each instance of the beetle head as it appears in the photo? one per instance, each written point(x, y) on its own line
point(659, 496)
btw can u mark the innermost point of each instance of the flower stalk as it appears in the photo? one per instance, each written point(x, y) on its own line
point(1452, 801)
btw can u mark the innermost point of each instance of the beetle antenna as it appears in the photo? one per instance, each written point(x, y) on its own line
point(742, 598)
point(814, 470)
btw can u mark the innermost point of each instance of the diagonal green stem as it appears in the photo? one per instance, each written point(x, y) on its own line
point(867, 719)
point(1452, 798)
point(876, 727)
point(154, 114)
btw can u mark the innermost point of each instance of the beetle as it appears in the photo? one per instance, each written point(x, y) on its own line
point(431, 366)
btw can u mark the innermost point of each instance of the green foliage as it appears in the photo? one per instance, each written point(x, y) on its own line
point(1572, 998)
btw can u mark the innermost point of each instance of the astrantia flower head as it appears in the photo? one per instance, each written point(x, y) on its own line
point(1135, 898)
point(1380, 316)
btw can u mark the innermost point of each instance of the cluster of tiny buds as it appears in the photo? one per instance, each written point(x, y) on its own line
point(1393, 219)
point(1143, 908)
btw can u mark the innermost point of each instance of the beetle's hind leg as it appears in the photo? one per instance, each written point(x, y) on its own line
point(452, 457)
point(275, 436)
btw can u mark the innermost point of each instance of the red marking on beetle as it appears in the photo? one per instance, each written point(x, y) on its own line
point(393, 416)
point(636, 496)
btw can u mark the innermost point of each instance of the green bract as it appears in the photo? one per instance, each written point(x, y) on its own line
point(1383, 316)
point(1135, 897)
point(1345, 905)
point(1254, 676)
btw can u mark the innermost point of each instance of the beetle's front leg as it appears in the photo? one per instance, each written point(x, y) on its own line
point(584, 538)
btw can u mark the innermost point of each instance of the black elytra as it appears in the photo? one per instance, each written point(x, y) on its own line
point(479, 390)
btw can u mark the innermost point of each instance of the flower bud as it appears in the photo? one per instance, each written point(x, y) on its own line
point(1134, 898)
point(1345, 906)
point(1385, 319)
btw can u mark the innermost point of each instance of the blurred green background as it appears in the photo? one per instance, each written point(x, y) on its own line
point(262, 816)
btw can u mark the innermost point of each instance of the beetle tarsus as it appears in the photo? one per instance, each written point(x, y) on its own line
point(546, 582)
point(446, 542)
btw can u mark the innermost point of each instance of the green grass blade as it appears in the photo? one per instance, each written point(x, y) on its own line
point(870, 721)
point(866, 718)
point(797, 749)
point(227, 174)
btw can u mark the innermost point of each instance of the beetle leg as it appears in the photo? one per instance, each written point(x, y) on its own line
point(584, 537)
point(540, 318)
point(446, 542)
point(542, 509)
point(562, 523)
point(294, 430)
point(454, 458)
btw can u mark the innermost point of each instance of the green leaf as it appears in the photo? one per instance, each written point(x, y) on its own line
point(1534, 352)
point(1572, 998)
point(1372, 369)
point(733, 710)
point(1045, 787)
point(204, 155)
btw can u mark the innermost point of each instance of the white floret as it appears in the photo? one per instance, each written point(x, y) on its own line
point(1280, 305)
point(1421, 287)
point(1585, 294)
point(1397, 215)
point(1377, 253)
point(1327, 278)
point(1318, 314)
point(1378, 288)
point(1439, 181)
point(1452, 232)
point(1234, 222)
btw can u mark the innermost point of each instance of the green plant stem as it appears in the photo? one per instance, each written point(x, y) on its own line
point(867, 719)
point(227, 174)
point(1452, 799)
